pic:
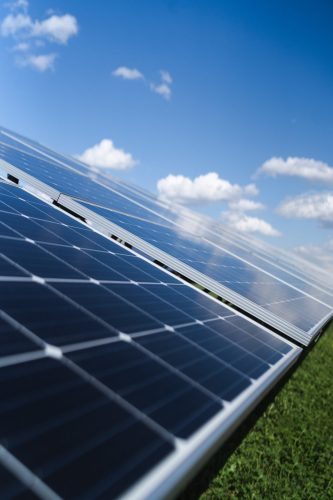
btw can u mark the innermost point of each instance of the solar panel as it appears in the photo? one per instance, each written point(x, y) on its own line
point(116, 376)
point(134, 201)
point(291, 302)
point(282, 305)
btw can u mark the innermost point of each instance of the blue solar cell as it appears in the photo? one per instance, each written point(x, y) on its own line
point(215, 308)
point(11, 487)
point(13, 341)
point(126, 264)
point(215, 375)
point(153, 303)
point(180, 408)
point(80, 441)
point(111, 308)
point(119, 197)
point(192, 304)
point(29, 207)
point(8, 269)
point(85, 263)
point(95, 389)
point(239, 276)
point(252, 329)
point(7, 231)
point(35, 260)
point(50, 316)
point(219, 343)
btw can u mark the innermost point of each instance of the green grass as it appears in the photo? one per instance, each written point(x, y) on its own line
point(289, 452)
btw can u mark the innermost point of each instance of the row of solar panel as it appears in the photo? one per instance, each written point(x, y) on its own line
point(108, 361)
point(131, 200)
point(105, 305)
point(289, 296)
point(294, 305)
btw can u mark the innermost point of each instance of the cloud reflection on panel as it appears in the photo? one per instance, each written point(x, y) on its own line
point(211, 188)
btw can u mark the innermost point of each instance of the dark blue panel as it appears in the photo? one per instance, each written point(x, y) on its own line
point(6, 231)
point(109, 307)
point(207, 370)
point(14, 342)
point(6, 268)
point(12, 488)
point(240, 276)
point(248, 342)
point(85, 263)
point(51, 317)
point(179, 407)
point(215, 308)
point(30, 229)
point(81, 450)
point(152, 304)
point(105, 412)
point(128, 265)
point(29, 206)
point(191, 307)
point(6, 208)
point(239, 357)
point(35, 260)
point(250, 328)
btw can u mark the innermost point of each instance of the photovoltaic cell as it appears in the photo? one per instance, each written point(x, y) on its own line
point(248, 281)
point(136, 201)
point(118, 196)
point(13, 341)
point(109, 362)
point(11, 487)
point(78, 440)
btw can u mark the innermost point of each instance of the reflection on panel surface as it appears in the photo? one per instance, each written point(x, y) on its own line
point(108, 363)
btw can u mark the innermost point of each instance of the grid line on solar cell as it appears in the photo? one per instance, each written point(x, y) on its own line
point(59, 403)
point(281, 311)
point(129, 195)
point(140, 230)
point(178, 323)
point(195, 387)
point(17, 480)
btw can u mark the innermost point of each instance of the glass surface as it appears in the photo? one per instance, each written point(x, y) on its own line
point(106, 359)
point(78, 440)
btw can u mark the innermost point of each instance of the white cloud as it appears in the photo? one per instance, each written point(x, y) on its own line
point(58, 29)
point(16, 23)
point(204, 188)
point(251, 190)
point(307, 168)
point(21, 47)
point(18, 5)
point(162, 89)
point(247, 224)
point(21, 28)
point(317, 206)
point(41, 62)
point(245, 205)
point(128, 73)
point(166, 77)
point(106, 155)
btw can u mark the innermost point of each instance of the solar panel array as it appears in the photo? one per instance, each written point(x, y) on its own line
point(295, 304)
point(118, 376)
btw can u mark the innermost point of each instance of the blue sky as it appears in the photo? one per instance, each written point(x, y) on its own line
point(251, 87)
